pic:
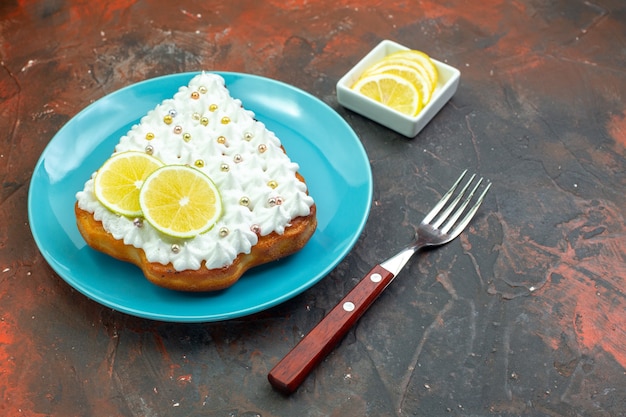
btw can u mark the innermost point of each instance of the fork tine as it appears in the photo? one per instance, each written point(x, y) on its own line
point(458, 213)
point(453, 205)
point(431, 214)
point(470, 214)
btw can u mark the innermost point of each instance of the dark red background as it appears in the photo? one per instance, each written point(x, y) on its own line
point(525, 314)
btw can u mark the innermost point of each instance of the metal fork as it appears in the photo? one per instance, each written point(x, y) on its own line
point(440, 226)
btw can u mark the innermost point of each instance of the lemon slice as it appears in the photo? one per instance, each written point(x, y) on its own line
point(391, 90)
point(407, 63)
point(419, 80)
point(180, 201)
point(119, 179)
point(421, 58)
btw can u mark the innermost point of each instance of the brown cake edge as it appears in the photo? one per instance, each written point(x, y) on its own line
point(269, 248)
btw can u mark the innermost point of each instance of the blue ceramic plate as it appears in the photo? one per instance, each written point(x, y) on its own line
point(331, 159)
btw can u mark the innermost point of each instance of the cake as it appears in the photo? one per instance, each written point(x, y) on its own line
point(267, 210)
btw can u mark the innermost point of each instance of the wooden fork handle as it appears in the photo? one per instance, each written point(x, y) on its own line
point(291, 371)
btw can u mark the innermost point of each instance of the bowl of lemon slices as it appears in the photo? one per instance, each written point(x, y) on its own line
point(398, 87)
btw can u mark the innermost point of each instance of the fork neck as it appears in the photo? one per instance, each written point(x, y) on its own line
point(397, 262)
point(427, 235)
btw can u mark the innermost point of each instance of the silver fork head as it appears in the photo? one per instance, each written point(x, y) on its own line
point(437, 234)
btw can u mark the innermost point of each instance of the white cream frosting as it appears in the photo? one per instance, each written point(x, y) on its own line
point(247, 164)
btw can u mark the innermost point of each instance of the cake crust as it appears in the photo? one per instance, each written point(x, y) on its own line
point(269, 248)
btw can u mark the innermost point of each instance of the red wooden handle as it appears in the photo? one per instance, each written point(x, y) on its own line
point(291, 371)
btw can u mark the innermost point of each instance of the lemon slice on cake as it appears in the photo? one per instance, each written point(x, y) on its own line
point(180, 201)
point(118, 181)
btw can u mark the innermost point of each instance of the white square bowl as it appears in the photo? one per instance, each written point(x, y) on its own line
point(448, 81)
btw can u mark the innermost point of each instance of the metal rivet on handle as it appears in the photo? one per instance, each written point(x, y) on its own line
point(348, 306)
point(376, 277)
